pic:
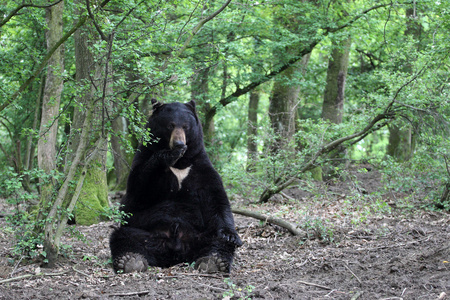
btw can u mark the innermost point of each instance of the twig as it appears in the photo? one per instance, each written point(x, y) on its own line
point(141, 293)
point(17, 264)
point(287, 196)
point(78, 271)
point(192, 275)
point(285, 224)
point(17, 278)
point(314, 284)
point(208, 286)
point(393, 246)
point(357, 278)
point(31, 275)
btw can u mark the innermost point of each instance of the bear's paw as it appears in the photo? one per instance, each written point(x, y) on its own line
point(212, 264)
point(131, 262)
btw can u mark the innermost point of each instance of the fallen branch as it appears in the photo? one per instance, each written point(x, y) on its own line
point(141, 293)
point(357, 278)
point(32, 275)
point(78, 271)
point(314, 284)
point(282, 223)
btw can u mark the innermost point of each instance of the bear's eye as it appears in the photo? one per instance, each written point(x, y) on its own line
point(185, 127)
point(171, 126)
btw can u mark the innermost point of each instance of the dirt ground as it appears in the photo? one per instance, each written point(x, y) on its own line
point(357, 247)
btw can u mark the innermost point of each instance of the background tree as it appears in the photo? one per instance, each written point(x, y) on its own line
point(334, 94)
point(401, 135)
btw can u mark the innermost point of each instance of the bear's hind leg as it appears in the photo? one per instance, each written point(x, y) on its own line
point(128, 250)
point(130, 262)
point(217, 257)
point(212, 263)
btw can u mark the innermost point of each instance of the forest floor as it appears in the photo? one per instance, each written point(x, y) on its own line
point(381, 246)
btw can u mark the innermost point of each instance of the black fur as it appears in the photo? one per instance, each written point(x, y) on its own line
point(170, 224)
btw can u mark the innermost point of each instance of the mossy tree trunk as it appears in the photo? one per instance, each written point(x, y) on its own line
point(90, 76)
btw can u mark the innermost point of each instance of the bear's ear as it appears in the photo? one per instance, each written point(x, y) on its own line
point(156, 105)
point(191, 106)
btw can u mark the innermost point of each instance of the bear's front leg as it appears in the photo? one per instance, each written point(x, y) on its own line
point(171, 156)
point(230, 236)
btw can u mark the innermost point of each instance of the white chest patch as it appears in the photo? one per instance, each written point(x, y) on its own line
point(180, 174)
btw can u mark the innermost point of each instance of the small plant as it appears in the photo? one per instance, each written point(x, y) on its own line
point(317, 228)
point(114, 214)
point(236, 292)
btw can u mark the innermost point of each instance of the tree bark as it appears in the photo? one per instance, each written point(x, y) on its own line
point(252, 128)
point(334, 95)
point(282, 108)
point(52, 90)
point(51, 99)
point(91, 78)
point(283, 103)
point(401, 138)
point(121, 162)
point(199, 93)
point(401, 142)
point(30, 147)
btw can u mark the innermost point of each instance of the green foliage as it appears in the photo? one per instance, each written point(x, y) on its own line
point(113, 213)
point(319, 229)
point(28, 242)
point(236, 292)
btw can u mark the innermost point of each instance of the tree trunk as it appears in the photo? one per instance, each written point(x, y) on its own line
point(121, 162)
point(283, 103)
point(93, 196)
point(30, 147)
point(252, 128)
point(401, 142)
point(334, 95)
point(401, 139)
point(282, 108)
point(199, 93)
point(51, 99)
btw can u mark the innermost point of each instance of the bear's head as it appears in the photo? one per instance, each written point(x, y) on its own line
point(175, 125)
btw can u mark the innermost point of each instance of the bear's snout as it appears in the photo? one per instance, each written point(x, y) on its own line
point(177, 138)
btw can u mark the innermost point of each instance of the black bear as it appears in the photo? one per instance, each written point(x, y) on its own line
point(176, 206)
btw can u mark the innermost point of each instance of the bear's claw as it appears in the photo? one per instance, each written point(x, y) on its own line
point(230, 237)
point(212, 264)
point(131, 262)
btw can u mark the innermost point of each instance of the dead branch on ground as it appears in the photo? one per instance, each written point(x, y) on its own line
point(282, 223)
